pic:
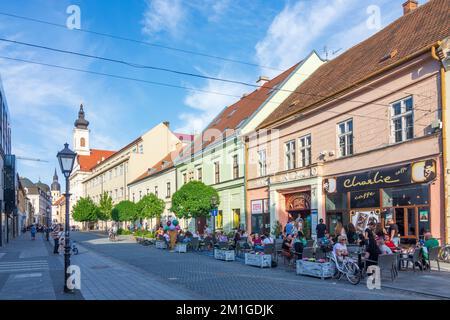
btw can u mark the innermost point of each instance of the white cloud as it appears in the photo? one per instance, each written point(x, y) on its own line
point(206, 105)
point(218, 9)
point(163, 16)
point(295, 28)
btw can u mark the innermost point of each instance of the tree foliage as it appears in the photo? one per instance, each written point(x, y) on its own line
point(150, 206)
point(85, 210)
point(125, 211)
point(193, 200)
point(105, 207)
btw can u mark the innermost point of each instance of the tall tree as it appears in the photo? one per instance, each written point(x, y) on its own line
point(125, 211)
point(150, 206)
point(193, 200)
point(85, 210)
point(105, 207)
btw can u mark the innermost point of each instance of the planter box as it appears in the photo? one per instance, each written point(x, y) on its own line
point(315, 269)
point(160, 244)
point(258, 260)
point(227, 255)
point(181, 247)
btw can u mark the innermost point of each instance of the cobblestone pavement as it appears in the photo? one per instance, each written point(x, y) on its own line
point(199, 276)
point(29, 271)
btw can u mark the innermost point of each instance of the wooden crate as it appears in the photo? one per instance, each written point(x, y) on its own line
point(258, 260)
point(315, 269)
point(226, 255)
point(181, 247)
point(160, 244)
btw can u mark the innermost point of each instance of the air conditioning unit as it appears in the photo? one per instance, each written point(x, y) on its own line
point(436, 125)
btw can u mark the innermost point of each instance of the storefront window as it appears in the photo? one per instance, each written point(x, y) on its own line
point(337, 201)
point(236, 218)
point(406, 196)
point(411, 222)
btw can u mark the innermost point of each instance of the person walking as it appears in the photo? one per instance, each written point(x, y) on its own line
point(55, 236)
point(33, 232)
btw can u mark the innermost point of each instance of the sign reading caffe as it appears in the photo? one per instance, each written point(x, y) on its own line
point(417, 172)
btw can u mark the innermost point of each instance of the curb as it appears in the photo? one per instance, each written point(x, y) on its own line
point(417, 292)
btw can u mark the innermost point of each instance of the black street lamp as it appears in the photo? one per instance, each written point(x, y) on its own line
point(66, 158)
point(47, 223)
point(214, 205)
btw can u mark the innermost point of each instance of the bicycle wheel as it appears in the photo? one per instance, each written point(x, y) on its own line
point(336, 274)
point(353, 273)
point(444, 255)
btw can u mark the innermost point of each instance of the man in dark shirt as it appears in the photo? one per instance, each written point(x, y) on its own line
point(393, 232)
point(321, 228)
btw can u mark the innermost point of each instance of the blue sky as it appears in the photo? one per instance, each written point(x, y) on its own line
point(43, 102)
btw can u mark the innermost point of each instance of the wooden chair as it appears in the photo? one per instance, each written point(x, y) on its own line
point(194, 244)
point(278, 247)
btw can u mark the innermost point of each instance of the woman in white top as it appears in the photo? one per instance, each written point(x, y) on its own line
point(340, 248)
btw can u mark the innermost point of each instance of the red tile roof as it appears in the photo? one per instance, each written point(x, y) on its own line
point(233, 116)
point(164, 164)
point(87, 163)
point(59, 201)
point(403, 38)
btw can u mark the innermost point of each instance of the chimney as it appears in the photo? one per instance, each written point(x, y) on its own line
point(166, 123)
point(410, 6)
point(262, 80)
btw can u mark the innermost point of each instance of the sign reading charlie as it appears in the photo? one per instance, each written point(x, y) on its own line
point(417, 172)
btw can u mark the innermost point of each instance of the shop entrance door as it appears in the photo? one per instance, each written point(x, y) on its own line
point(306, 216)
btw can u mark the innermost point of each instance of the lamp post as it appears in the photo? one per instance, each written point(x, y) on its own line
point(47, 224)
point(214, 206)
point(66, 158)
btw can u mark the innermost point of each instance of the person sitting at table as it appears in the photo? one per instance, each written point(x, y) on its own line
point(256, 241)
point(299, 243)
point(222, 237)
point(380, 231)
point(340, 248)
point(383, 247)
point(236, 237)
point(286, 247)
point(372, 250)
point(187, 237)
point(266, 239)
point(388, 242)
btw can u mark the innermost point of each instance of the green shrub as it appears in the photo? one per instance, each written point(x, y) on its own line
point(124, 232)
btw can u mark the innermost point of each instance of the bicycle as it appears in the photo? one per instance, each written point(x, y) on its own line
point(444, 254)
point(112, 236)
point(347, 267)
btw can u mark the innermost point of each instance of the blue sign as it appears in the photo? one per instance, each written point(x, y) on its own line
point(214, 212)
point(314, 220)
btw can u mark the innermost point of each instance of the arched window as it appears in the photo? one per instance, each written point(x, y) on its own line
point(82, 142)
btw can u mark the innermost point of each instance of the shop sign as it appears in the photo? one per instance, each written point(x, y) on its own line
point(365, 199)
point(417, 172)
point(257, 207)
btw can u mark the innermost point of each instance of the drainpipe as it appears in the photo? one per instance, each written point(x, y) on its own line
point(245, 185)
point(444, 137)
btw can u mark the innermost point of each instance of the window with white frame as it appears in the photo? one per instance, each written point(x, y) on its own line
point(262, 163)
point(199, 174)
point(184, 177)
point(141, 148)
point(168, 191)
point(156, 191)
point(305, 150)
point(290, 155)
point(216, 172)
point(235, 167)
point(345, 138)
point(402, 120)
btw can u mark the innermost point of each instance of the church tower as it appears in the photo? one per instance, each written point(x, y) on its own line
point(81, 135)
point(55, 188)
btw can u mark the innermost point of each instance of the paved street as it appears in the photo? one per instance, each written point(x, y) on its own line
point(124, 270)
point(202, 277)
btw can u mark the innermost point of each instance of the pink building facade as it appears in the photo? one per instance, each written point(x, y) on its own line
point(372, 154)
